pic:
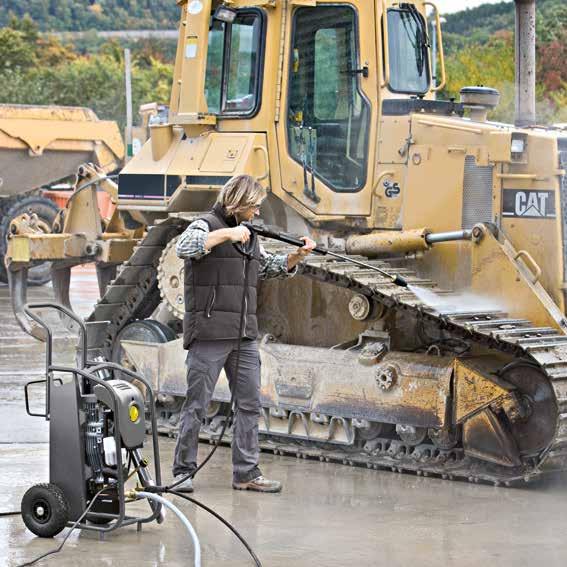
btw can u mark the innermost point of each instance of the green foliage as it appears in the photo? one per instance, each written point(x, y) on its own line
point(479, 48)
point(551, 23)
point(15, 51)
point(477, 25)
point(96, 82)
point(78, 15)
point(480, 22)
point(26, 26)
point(490, 64)
point(41, 70)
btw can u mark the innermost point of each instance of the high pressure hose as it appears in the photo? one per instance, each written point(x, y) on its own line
point(220, 519)
point(181, 516)
point(256, 230)
point(283, 237)
point(153, 492)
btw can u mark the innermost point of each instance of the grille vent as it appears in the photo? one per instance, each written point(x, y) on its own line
point(477, 193)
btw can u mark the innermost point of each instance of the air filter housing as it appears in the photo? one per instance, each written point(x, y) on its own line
point(479, 100)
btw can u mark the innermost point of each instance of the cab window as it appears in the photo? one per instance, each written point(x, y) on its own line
point(408, 48)
point(234, 58)
point(327, 114)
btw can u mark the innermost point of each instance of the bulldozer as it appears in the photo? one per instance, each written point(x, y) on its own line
point(39, 146)
point(333, 106)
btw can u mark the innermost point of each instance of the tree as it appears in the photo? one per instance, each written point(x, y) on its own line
point(491, 65)
point(25, 25)
point(80, 15)
point(15, 51)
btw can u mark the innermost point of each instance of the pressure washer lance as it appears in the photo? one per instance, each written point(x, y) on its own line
point(283, 237)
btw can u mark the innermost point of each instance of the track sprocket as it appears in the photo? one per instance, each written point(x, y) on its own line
point(171, 278)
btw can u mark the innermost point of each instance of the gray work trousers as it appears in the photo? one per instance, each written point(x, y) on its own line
point(205, 360)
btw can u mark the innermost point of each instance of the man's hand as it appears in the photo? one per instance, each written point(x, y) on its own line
point(236, 234)
point(239, 234)
point(307, 248)
point(300, 253)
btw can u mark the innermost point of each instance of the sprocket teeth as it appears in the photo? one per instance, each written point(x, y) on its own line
point(170, 265)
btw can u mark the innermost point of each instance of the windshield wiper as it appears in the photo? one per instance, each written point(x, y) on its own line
point(421, 44)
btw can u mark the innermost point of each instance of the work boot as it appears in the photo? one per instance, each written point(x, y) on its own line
point(186, 485)
point(259, 484)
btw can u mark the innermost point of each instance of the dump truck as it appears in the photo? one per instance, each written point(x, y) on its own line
point(334, 108)
point(39, 146)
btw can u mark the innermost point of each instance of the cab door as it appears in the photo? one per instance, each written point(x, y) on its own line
point(326, 132)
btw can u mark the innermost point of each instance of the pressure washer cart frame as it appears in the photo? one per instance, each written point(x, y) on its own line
point(94, 419)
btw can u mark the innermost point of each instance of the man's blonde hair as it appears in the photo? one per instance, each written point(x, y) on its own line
point(240, 193)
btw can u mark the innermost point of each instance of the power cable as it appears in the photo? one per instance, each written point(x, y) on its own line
point(58, 549)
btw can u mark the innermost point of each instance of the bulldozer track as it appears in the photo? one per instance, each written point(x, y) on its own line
point(127, 297)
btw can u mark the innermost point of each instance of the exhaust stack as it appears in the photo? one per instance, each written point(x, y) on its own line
point(525, 62)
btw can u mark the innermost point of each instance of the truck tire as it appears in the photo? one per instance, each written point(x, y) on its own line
point(45, 510)
point(46, 210)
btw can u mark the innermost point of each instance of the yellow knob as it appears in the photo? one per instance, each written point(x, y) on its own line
point(134, 413)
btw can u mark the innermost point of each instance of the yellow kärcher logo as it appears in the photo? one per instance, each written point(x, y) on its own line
point(134, 413)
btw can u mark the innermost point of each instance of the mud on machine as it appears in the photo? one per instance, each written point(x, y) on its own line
point(96, 433)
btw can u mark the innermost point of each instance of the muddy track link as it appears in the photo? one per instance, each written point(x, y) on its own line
point(128, 295)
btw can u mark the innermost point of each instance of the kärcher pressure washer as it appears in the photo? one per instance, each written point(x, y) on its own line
point(96, 415)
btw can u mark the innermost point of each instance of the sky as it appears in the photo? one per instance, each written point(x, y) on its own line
point(448, 6)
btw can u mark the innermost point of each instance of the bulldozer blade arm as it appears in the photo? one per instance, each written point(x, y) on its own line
point(18, 282)
point(61, 280)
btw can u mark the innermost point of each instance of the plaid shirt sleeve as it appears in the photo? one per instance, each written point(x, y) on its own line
point(274, 266)
point(191, 244)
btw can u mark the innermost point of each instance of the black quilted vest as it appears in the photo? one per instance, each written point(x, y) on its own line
point(214, 287)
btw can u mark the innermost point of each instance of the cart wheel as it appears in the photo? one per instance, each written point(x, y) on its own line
point(45, 510)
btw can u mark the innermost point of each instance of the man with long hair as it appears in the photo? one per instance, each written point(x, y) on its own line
point(223, 263)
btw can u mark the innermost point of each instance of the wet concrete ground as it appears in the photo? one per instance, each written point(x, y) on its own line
point(328, 515)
